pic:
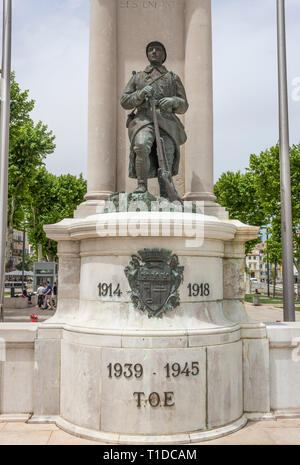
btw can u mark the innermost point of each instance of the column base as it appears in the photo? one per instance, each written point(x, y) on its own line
point(115, 438)
point(103, 195)
point(90, 207)
point(204, 196)
point(211, 208)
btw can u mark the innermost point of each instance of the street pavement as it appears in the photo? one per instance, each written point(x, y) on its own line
point(267, 313)
point(262, 313)
point(17, 315)
point(271, 432)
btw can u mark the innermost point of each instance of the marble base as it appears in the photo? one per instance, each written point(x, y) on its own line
point(117, 375)
point(126, 439)
point(14, 417)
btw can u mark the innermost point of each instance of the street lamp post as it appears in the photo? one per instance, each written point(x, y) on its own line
point(285, 179)
point(4, 140)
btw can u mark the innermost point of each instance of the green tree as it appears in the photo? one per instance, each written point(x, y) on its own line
point(236, 192)
point(28, 263)
point(254, 198)
point(266, 172)
point(29, 144)
point(274, 249)
point(52, 198)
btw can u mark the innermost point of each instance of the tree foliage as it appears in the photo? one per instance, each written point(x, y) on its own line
point(254, 197)
point(28, 263)
point(236, 192)
point(29, 144)
point(52, 198)
point(34, 195)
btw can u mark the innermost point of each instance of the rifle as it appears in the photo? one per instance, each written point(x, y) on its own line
point(164, 173)
point(132, 115)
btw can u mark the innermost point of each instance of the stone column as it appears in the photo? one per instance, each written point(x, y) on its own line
point(69, 281)
point(199, 118)
point(102, 99)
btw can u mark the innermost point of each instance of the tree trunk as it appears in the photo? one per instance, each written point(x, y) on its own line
point(298, 280)
point(274, 281)
point(9, 237)
point(40, 253)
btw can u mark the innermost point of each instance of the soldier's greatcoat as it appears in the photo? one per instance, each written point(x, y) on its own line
point(169, 85)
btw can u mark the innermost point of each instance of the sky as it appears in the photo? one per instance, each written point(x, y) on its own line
point(50, 57)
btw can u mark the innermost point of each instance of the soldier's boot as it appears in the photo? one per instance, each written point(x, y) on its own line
point(142, 166)
point(142, 186)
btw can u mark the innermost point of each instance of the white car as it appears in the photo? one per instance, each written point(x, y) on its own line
point(254, 280)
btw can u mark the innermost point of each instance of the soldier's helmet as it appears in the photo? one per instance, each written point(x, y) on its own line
point(151, 44)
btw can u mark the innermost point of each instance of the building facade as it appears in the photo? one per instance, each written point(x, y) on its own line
point(16, 252)
point(256, 262)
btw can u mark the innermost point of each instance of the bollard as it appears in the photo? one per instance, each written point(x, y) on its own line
point(256, 301)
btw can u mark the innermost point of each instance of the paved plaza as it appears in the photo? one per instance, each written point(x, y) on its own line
point(262, 313)
point(279, 432)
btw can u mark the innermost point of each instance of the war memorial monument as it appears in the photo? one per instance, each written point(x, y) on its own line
point(150, 342)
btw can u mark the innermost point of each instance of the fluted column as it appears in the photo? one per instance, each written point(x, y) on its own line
point(102, 99)
point(199, 118)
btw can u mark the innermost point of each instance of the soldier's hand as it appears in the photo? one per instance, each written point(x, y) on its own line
point(148, 91)
point(166, 104)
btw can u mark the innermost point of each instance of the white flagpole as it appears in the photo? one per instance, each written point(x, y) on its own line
point(4, 141)
point(285, 179)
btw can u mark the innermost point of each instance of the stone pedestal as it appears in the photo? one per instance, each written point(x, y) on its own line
point(118, 375)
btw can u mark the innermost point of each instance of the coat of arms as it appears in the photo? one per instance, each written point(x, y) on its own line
point(154, 276)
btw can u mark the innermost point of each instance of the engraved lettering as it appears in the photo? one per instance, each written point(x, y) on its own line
point(117, 370)
point(154, 399)
point(196, 290)
point(109, 290)
point(169, 399)
point(175, 369)
point(139, 395)
point(147, 4)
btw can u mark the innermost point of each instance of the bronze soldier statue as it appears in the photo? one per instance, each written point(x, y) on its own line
point(154, 87)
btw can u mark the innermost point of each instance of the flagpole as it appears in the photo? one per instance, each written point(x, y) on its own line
point(4, 141)
point(285, 179)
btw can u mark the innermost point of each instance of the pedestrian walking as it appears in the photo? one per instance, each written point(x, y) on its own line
point(54, 295)
point(48, 296)
point(40, 292)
